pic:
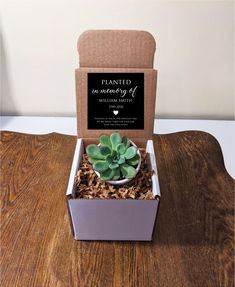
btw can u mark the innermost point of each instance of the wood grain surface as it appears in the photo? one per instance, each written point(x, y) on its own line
point(194, 236)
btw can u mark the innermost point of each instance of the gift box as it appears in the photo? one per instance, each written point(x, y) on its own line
point(115, 92)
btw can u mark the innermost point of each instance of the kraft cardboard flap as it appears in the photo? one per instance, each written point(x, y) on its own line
point(115, 84)
point(116, 49)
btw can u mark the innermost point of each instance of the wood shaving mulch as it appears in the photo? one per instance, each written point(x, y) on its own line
point(89, 186)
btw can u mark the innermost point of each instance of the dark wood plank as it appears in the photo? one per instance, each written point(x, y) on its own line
point(193, 241)
point(196, 217)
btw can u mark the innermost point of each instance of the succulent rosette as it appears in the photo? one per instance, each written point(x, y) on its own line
point(114, 158)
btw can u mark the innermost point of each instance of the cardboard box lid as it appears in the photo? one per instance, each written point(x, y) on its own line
point(116, 51)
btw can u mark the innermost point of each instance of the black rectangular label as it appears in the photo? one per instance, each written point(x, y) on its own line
point(115, 100)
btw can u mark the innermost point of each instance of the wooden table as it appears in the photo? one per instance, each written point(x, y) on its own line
point(194, 238)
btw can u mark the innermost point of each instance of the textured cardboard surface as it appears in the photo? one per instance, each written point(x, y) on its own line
point(116, 51)
point(116, 48)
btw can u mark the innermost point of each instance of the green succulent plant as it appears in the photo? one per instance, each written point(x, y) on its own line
point(114, 158)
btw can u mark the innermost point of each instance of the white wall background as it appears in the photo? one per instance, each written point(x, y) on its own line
point(194, 53)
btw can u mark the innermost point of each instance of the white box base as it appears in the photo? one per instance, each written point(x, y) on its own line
point(112, 219)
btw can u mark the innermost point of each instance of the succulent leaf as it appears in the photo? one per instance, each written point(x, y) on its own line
point(105, 141)
point(122, 159)
point(109, 158)
point(93, 151)
point(121, 148)
point(126, 142)
point(105, 150)
point(117, 174)
point(134, 161)
point(130, 152)
point(107, 175)
point(113, 165)
point(100, 165)
point(114, 153)
point(115, 139)
point(92, 160)
point(127, 170)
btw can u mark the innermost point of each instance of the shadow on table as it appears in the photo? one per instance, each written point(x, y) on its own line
point(214, 228)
